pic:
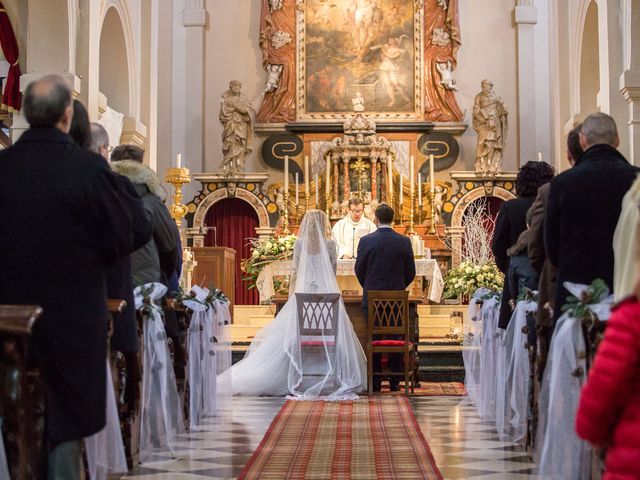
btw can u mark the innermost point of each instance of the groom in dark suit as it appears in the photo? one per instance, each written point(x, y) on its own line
point(385, 262)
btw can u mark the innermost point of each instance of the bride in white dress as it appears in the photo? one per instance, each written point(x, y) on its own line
point(273, 363)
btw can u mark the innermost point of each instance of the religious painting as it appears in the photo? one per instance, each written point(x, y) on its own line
point(354, 52)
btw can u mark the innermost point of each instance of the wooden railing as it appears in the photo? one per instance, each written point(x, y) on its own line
point(21, 393)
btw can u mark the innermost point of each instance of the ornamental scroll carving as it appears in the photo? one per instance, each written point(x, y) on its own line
point(442, 32)
point(277, 30)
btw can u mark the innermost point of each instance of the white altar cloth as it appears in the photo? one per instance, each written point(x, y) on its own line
point(425, 268)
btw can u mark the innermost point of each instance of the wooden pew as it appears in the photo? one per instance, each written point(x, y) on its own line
point(22, 397)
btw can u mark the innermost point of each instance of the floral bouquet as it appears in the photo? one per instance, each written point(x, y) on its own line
point(467, 277)
point(263, 252)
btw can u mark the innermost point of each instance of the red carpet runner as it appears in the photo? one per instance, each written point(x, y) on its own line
point(374, 438)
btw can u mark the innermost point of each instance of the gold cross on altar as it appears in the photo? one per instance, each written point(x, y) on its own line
point(359, 167)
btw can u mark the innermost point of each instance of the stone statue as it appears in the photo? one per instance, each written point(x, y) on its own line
point(438, 202)
point(236, 116)
point(279, 199)
point(358, 103)
point(490, 121)
point(446, 75)
point(275, 5)
point(273, 77)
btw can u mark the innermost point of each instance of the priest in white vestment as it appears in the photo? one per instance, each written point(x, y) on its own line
point(348, 231)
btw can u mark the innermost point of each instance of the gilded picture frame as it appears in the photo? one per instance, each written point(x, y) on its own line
point(359, 52)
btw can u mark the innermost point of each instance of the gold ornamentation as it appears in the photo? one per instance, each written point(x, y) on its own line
point(178, 177)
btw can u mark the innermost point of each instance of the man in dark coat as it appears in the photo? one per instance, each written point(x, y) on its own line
point(62, 225)
point(124, 338)
point(539, 260)
point(385, 262)
point(583, 208)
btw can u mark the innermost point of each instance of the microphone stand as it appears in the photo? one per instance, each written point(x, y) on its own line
point(353, 245)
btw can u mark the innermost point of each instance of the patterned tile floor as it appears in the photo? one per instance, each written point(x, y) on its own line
point(462, 445)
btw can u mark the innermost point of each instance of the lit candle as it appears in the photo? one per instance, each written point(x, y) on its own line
point(179, 160)
point(296, 189)
point(286, 173)
point(306, 175)
point(317, 189)
point(539, 156)
point(327, 186)
point(411, 176)
point(400, 189)
point(419, 189)
point(432, 176)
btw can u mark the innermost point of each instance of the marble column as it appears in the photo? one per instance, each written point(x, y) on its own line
point(194, 21)
point(630, 88)
point(526, 18)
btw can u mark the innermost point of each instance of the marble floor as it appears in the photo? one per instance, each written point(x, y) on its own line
point(462, 445)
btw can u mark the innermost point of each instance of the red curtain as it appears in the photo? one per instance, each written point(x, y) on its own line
point(11, 98)
point(235, 221)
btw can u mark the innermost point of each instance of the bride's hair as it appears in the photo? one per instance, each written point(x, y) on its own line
point(318, 217)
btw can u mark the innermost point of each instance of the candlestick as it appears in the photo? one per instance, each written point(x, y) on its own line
point(286, 173)
point(179, 160)
point(327, 186)
point(390, 177)
point(411, 175)
point(432, 177)
point(306, 175)
point(317, 191)
point(400, 190)
point(297, 183)
point(178, 177)
point(419, 189)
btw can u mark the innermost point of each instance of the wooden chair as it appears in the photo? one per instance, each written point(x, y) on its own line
point(388, 319)
point(22, 396)
point(317, 320)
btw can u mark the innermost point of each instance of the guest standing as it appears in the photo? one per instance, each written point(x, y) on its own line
point(385, 262)
point(63, 225)
point(511, 222)
point(583, 208)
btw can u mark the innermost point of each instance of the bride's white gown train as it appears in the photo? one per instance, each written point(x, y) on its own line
point(273, 363)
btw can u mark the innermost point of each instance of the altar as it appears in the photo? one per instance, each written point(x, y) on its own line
point(426, 287)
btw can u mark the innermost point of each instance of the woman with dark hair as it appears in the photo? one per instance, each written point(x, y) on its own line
point(80, 130)
point(509, 249)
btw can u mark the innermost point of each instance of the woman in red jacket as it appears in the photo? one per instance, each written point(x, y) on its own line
point(609, 411)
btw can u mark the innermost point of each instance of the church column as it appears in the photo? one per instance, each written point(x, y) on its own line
point(526, 18)
point(374, 174)
point(194, 21)
point(345, 181)
point(630, 88)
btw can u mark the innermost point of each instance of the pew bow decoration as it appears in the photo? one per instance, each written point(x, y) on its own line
point(161, 415)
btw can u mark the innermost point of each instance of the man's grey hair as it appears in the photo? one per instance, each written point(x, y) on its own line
point(599, 128)
point(99, 137)
point(45, 101)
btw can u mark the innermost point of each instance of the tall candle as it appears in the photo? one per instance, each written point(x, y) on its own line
point(296, 189)
point(432, 176)
point(317, 189)
point(306, 175)
point(286, 173)
point(412, 162)
point(327, 186)
point(400, 189)
point(539, 156)
point(419, 189)
point(390, 175)
point(179, 160)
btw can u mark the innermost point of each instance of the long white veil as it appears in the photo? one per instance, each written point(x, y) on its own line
point(280, 361)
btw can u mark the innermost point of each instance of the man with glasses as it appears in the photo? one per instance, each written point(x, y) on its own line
point(348, 231)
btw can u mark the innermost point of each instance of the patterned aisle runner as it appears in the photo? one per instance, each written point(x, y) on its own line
point(376, 437)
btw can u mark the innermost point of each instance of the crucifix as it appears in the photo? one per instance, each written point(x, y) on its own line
point(360, 168)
